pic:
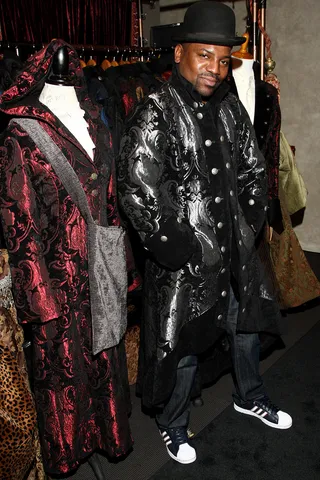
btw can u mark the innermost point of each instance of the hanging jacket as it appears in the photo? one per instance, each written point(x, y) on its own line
point(82, 401)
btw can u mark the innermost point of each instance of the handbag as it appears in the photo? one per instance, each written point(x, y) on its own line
point(106, 249)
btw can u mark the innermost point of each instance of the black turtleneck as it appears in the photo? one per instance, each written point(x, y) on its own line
point(190, 95)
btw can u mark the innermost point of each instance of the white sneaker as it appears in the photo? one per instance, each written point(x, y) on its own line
point(177, 444)
point(267, 412)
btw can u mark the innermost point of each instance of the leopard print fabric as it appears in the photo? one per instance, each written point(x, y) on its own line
point(19, 446)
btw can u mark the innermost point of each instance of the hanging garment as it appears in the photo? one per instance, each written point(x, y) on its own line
point(292, 184)
point(267, 123)
point(82, 400)
point(119, 90)
point(283, 257)
point(20, 457)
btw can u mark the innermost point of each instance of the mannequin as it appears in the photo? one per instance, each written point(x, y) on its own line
point(82, 399)
point(262, 104)
point(59, 95)
point(242, 71)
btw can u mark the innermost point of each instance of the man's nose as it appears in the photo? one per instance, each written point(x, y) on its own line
point(214, 67)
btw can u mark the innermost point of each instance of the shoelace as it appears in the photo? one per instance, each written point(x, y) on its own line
point(267, 405)
point(179, 435)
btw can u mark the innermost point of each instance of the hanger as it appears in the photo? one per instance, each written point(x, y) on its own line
point(81, 60)
point(114, 63)
point(106, 63)
point(243, 51)
point(91, 62)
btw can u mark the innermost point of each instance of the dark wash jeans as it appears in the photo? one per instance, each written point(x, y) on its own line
point(248, 384)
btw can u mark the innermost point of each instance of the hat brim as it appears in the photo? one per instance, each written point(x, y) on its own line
point(209, 39)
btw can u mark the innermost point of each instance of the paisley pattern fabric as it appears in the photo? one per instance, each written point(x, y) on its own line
point(296, 279)
point(82, 400)
point(188, 177)
point(20, 457)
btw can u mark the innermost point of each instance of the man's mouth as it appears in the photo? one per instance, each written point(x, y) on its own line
point(210, 81)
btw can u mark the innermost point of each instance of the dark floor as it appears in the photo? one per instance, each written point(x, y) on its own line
point(238, 447)
point(149, 454)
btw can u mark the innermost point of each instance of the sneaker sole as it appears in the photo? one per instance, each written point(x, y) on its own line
point(184, 462)
point(270, 424)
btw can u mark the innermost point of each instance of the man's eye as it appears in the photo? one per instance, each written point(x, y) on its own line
point(204, 55)
point(225, 62)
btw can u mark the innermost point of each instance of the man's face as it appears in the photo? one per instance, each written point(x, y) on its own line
point(204, 66)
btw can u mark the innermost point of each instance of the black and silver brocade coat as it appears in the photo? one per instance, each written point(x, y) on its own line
point(187, 178)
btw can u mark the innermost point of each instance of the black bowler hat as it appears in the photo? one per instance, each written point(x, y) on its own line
point(209, 22)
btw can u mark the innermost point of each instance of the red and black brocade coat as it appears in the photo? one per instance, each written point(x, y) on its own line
point(82, 401)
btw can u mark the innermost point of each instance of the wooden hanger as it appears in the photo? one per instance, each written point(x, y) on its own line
point(106, 63)
point(91, 62)
point(243, 52)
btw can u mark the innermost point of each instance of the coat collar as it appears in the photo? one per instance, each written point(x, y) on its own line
point(190, 95)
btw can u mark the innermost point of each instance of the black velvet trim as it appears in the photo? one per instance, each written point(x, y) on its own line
point(275, 215)
point(173, 245)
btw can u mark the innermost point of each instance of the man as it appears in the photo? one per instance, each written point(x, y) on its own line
point(193, 183)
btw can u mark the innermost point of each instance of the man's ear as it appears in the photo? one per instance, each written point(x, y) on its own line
point(178, 52)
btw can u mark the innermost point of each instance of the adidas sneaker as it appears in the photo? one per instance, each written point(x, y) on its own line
point(267, 412)
point(177, 444)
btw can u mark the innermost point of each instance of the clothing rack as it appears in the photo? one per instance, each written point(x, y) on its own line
point(91, 50)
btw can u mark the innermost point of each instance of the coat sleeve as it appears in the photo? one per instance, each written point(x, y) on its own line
point(252, 176)
point(144, 177)
point(21, 222)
